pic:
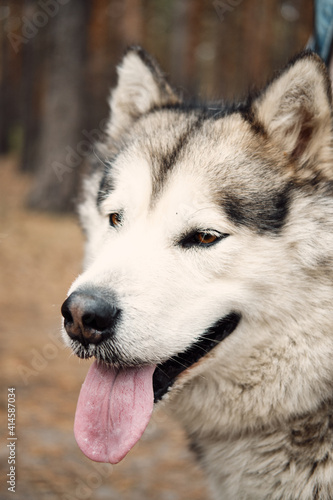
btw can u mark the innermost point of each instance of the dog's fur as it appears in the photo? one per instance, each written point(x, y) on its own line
point(258, 408)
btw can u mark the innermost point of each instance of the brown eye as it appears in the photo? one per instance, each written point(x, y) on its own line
point(115, 219)
point(205, 238)
point(202, 239)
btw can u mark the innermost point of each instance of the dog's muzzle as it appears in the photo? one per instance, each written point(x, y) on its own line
point(88, 317)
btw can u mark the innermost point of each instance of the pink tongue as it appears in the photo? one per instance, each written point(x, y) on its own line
point(113, 410)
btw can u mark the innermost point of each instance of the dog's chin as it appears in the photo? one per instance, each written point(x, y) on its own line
point(166, 372)
point(105, 352)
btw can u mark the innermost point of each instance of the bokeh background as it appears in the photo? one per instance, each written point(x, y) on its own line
point(57, 64)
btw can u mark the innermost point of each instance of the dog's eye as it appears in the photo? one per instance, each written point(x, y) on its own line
point(206, 238)
point(115, 219)
point(202, 238)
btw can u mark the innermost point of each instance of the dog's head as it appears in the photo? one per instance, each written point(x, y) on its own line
point(205, 223)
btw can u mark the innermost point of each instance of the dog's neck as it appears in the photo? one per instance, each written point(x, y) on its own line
point(275, 462)
point(260, 427)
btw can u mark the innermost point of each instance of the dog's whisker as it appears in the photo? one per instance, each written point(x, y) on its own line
point(105, 162)
point(173, 358)
point(163, 371)
point(212, 340)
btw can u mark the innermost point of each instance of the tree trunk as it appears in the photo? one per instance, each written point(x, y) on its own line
point(63, 142)
point(4, 77)
point(104, 53)
point(131, 27)
point(195, 16)
point(10, 75)
point(179, 40)
point(33, 58)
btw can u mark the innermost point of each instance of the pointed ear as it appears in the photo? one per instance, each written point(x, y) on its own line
point(295, 111)
point(141, 86)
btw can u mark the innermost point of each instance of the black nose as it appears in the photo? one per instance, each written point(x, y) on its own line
point(88, 317)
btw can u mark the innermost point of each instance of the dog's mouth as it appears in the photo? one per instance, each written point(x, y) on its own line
point(115, 405)
point(167, 372)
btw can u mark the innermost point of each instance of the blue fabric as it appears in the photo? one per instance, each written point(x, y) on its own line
point(323, 29)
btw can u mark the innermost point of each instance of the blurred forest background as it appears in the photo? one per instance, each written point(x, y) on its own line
point(57, 64)
point(58, 58)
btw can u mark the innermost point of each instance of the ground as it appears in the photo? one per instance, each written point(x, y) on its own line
point(40, 255)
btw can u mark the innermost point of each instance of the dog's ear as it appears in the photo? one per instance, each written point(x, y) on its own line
point(295, 111)
point(141, 87)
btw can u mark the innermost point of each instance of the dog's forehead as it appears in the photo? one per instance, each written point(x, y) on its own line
point(168, 141)
point(220, 160)
point(212, 147)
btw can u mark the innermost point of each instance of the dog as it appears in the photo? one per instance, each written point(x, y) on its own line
point(208, 280)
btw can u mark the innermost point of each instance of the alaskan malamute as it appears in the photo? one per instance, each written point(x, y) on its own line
point(208, 280)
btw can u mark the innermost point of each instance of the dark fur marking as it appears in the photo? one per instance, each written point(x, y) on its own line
point(310, 433)
point(214, 110)
point(328, 188)
point(105, 186)
point(313, 468)
point(318, 463)
point(168, 160)
point(262, 213)
point(256, 126)
point(196, 449)
point(316, 493)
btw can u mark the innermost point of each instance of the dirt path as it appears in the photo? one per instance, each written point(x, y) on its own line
point(39, 257)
